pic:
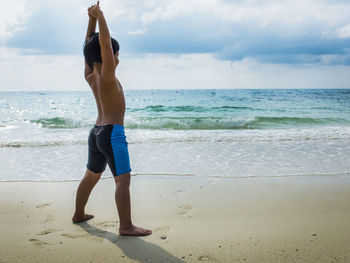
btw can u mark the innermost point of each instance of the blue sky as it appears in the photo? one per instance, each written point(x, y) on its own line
point(182, 43)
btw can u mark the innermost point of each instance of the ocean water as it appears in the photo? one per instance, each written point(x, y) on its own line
point(217, 133)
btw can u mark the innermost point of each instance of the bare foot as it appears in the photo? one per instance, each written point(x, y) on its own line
point(134, 231)
point(79, 219)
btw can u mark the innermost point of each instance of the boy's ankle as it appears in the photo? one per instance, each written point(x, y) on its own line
point(125, 225)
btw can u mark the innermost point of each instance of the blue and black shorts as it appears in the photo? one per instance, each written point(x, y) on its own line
point(107, 144)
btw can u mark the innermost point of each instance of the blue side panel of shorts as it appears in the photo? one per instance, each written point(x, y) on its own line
point(120, 150)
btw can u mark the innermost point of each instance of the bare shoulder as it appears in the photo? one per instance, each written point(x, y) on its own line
point(93, 79)
point(89, 73)
point(90, 78)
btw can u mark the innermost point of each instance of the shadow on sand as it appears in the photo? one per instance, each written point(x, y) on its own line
point(133, 247)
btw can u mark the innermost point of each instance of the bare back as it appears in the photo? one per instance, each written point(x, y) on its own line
point(109, 98)
point(100, 74)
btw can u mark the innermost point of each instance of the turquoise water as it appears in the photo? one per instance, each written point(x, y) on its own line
point(207, 132)
point(185, 109)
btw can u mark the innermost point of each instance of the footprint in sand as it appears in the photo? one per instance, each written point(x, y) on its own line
point(43, 205)
point(75, 236)
point(206, 258)
point(38, 243)
point(185, 210)
point(86, 236)
point(162, 232)
point(48, 231)
point(49, 218)
point(180, 191)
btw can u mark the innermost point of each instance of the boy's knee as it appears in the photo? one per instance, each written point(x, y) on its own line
point(123, 179)
point(92, 176)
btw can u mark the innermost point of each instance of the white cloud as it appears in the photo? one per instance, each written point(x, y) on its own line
point(40, 72)
point(178, 8)
point(155, 71)
point(343, 32)
point(256, 12)
point(13, 15)
point(194, 71)
point(138, 32)
point(248, 21)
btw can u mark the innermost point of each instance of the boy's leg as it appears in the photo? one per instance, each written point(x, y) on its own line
point(122, 199)
point(84, 189)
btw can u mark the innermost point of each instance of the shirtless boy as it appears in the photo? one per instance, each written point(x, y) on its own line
point(107, 141)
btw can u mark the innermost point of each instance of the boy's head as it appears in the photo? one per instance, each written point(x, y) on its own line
point(92, 49)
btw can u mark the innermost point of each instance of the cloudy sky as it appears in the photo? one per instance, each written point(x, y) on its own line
point(181, 43)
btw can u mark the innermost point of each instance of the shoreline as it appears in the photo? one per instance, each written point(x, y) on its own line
point(194, 219)
point(226, 159)
point(165, 175)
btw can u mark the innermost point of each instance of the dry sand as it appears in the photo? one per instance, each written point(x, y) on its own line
point(281, 219)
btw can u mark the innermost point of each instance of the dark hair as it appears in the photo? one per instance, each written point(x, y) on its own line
point(92, 49)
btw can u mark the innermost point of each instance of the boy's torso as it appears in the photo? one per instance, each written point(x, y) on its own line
point(109, 98)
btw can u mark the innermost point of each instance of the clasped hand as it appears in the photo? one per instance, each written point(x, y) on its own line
point(94, 11)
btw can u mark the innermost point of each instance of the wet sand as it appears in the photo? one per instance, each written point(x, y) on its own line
point(194, 219)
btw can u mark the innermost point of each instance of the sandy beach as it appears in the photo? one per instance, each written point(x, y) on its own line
point(194, 219)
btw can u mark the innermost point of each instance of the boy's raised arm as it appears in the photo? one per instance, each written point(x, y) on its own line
point(91, 29)
point(92, 24)
point(107, 55)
